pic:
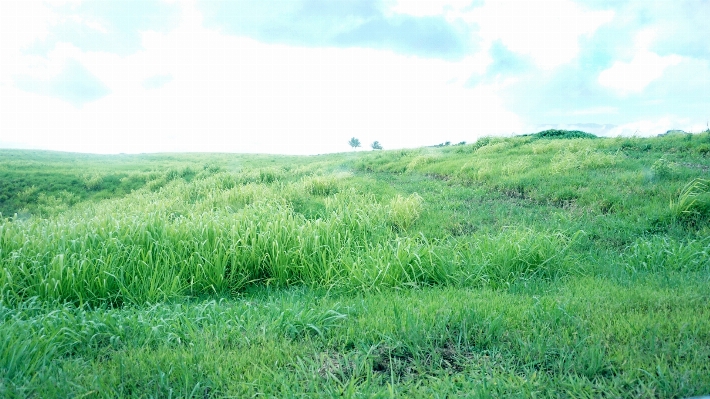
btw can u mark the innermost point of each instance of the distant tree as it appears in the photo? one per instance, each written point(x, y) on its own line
point(354, 143)
point(376, 145)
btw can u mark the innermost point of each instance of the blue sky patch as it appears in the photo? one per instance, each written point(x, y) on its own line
point(427, 36)
point(74, 84)
point(346, 23)
point(120, 21)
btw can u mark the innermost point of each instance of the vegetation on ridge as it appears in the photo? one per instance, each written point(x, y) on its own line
point(563, 134)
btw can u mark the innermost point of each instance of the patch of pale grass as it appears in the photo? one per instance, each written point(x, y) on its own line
point(567, 161)
point(321, 185)
point(420, 161)
point(404, 211)
point(494, 148)
point(514, 167)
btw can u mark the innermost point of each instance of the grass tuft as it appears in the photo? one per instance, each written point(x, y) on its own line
point(404, 211)
point(693, 201)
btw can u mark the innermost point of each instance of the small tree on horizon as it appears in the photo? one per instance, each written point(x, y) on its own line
point(354, 143)
point(376, 145)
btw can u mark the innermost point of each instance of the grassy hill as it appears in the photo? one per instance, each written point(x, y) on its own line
point(555, 265)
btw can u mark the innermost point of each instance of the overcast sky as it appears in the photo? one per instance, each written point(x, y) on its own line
point(304, 76)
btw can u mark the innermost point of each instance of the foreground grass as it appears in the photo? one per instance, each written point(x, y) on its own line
point(507, 268)
point(650, 340)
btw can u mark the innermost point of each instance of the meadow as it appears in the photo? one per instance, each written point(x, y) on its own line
point(555, 264)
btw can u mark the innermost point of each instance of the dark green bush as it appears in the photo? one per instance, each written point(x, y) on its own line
point(563, 134)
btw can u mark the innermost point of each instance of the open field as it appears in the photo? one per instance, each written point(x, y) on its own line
point(534, 266)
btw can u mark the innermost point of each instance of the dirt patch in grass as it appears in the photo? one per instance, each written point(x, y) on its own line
point(449, 358)
point(704, 168)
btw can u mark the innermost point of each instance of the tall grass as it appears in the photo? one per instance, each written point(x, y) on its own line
point(663, 254)
point(215, 236)
point(209, 236)
point(693, 201)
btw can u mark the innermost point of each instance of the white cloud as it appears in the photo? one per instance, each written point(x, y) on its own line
point(546, 30)
point(21, 23)
point(645, 67)
point(235, 94)
point(196, 89)
point(653, 127)
point(635, 75)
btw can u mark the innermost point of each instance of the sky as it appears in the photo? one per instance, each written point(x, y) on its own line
point(304, 76)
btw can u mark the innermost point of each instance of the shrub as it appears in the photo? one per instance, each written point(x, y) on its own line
point(156, 184)
point(28, 194)
point(563, 134)
point(93, 182)
point(482, 142)
point(662, 168)
point(703, 149)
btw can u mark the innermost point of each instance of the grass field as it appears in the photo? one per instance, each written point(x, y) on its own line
point(548, 265)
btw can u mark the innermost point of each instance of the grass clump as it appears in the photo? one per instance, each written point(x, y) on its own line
point(404, 211)
point(321, 185)
point(662, 168)
point(516, 255)
point(419, 161)
point(692, 205)
point(663, 254)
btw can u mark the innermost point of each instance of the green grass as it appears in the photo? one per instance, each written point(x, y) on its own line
point(548, 265)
